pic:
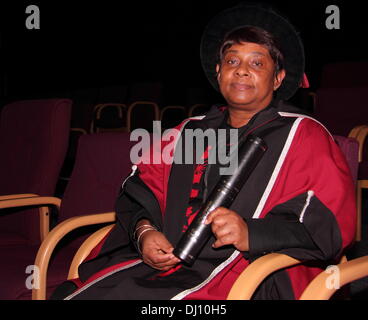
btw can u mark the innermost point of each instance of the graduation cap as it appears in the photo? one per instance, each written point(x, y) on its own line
point(265, 17)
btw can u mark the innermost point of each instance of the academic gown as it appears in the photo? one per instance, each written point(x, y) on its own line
point(299, 200)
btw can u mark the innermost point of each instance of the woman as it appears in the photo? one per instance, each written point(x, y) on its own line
point(299, 200)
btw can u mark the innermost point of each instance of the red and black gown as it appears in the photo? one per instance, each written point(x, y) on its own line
point(299, 201)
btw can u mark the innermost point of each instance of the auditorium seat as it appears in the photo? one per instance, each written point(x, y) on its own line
point(102, 163)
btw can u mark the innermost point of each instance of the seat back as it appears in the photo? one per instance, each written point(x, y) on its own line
point(350, 149)
point(101, 165)
point(109, 117)
point(33, 142)
point(354, 74)
point(141, 114)
point(341, 109)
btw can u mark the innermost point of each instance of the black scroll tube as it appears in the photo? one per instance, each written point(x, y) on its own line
point(250, 151)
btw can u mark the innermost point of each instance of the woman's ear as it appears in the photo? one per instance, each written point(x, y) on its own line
point(217, 71)
point(278, 79)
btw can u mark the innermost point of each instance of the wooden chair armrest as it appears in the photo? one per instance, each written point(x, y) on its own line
point(16, 196)
point(55, 235)
point(249, 280)
point(321, 289)
point(30, 201)
point(80, 130)
point(355, 131)
point(85, 249)
point(25, 200)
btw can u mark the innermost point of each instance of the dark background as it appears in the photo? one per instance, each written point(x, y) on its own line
point(102, 43)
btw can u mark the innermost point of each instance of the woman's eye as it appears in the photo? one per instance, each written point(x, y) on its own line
point(231, 61)
point(257, 63)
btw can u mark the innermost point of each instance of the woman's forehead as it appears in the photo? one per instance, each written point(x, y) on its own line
point(248, 47)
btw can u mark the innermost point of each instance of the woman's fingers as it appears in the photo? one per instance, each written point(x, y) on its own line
point(223, 241)
point(229, 229)
point(161, 260)
point(157, 251)
point(216, 213)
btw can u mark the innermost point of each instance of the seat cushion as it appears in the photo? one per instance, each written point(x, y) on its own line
point(13, 276)
point(12, 239)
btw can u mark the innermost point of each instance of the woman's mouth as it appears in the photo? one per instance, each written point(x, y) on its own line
point(241, 86)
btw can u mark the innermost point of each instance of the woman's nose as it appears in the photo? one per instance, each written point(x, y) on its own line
point(242, 71)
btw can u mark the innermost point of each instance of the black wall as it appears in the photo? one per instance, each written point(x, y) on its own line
point(102, 43)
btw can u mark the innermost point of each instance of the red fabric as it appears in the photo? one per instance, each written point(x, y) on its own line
point(310, 164)
point(13, 275)
point(33, 140)
point(101, 165)
point(220, 287)
point(95, 251)
point(305, 82)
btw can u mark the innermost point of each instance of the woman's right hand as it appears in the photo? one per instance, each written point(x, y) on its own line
point(157, 250)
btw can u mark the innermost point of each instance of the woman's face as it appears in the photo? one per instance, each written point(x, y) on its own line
point(247, 77)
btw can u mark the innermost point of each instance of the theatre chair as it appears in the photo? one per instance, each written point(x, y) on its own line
point(341, 109)
point(360, 133)
point(243, 288)
point(109, 117)
point(141, 114)
point(67, 168)
point(101, 165)
point(249, 280)
point(328, 282)
point(33, 144)
point(354, 74)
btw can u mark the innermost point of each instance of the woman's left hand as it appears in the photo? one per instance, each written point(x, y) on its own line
point(229, 228)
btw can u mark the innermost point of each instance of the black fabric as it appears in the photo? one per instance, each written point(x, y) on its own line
point(142, 282)
point(306, 239)
point(66, 288)
point(275, 287)
point(276, 232)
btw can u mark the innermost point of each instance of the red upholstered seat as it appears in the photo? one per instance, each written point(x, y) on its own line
point(33, 144)
point(102, 163)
